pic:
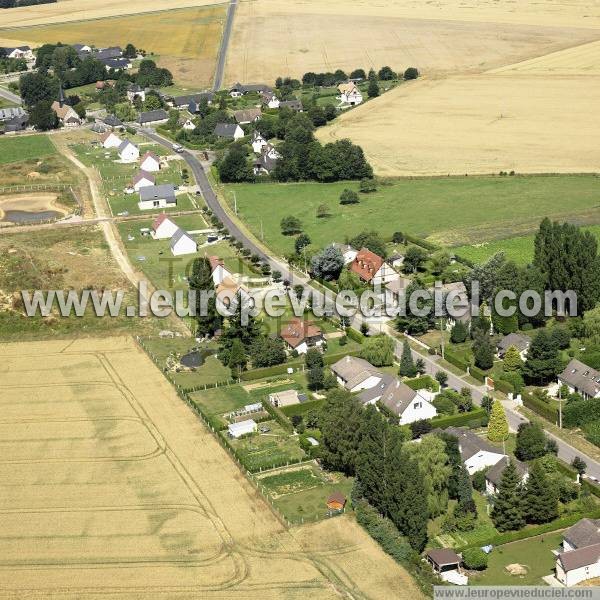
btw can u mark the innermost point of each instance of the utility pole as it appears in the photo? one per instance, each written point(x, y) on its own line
point(559, 408)
point(262, 233)
point(442, 334)
point(234, 202)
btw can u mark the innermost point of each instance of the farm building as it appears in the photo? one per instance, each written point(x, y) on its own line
point(157, 196)
point(150, 162)
point(153, 116)
point(236, 430)
point(163, 228)
point(183, 243)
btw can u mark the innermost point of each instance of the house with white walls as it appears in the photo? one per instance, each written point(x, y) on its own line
point(128, 152)
point(355, 374)
point(579, 559)
point(111, 140)
point(183, 243)
point(475, 452)
point(150, 162)
point(350, 94)
point(163, 228)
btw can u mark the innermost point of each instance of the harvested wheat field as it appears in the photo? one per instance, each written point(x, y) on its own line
point(82, 10)
point(186, 41)
point(273, 38)
point(112, 486)
point(479, 124)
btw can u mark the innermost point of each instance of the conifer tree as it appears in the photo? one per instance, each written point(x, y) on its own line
point(541, 502)
point(498, 425)
point(466, 504)
point(483, 351)
point(459, 333)
point(208, 319)
point(543, 361)
point(512, 359)
point(237, 358)
point(508, 512)
point(407, 365)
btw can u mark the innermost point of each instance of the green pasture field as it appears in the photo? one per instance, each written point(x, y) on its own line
point(451, 211)
point(16, 149)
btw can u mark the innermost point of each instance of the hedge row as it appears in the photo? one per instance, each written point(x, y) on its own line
point(300, 409)
point(420, 242)
point(423, 382)
point(459, 419)
point(477, 373)
point(541, 408)
point(504, 386)
point(278, 416)
point(523, 534)
point(354, 335)
point(455, 360)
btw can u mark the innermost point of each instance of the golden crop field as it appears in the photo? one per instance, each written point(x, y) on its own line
point(78, 10)
point(111, 486)
point(273, 38)
point(479, 124)
point(186, 41)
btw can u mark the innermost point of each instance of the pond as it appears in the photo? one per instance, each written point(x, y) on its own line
point(24, 216)
point(196, 358)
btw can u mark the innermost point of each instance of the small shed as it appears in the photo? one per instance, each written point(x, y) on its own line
point(336, 501)
point(443, 559)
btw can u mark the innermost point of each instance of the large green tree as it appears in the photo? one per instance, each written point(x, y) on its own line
point(541, 501)
point(508, 513)
point(483, 351)
point(543, 361)
point(407, 365)
point(498, 425)
point(531, 442)
point(208, 320)
point(378, 350)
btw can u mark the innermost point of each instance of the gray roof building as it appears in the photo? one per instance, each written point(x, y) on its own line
point(583, 379)
point(192, 99)
point(584, 533)
point(112, 121)
point(18, 123)
point(582, 557)
point(165, 191)
point(226, 130)
point(11, 112)
point(295, 105)
point(353, 370)
point(392, 393)
point(469, 443)
point(153, 116)
point(253, 87)
point(518, 340)
point(494, 473)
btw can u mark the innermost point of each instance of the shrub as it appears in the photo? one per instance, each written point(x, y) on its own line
point(411, 73)
point(367, 185)
point(475, 558)
point(592, 432)
point(349, 197)
point(478, 480)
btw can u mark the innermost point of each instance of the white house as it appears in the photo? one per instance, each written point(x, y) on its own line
point(111, 140)
point(157, 196)
point(348, 252)
point(19, 52)
point(407, 404)
point(300, 335)
point(519, 341)
point(189, 125)
point(183, 243)
point(142, 179)
point(356, 374)
point(150, 162)
point(219, 272)
point(135, 91)
point(270, 100)
point(581, 379)
point(163, 228)
point(476, 453)
point(128, 152)
point(230, 131)
point(271, 152)
point(580, 556)
point(372, 268)
point(258, 142)
point(493, 475)
point(236, 430)
point(349, 94)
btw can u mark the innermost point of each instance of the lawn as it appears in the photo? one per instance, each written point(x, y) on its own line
point(518, 249)
point(301, 494)
point(16, 149)
point(266, 450)
point(212, 371)
point(218, 401)
point(534, 553)
point(451, 211)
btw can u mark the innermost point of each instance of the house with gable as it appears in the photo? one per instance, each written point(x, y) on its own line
point(110, 140)
point(18, 52)
point(475, 452)
point(142, 179)
point(579, 559)
point(349, 94)
point(183, 243)
point(238, 90)
point(407, 404)
point(128, 152)
point(163, 228)
point(258, 142)
point(270, 100)
point(188, 125)
point(300, 335)
point(580, 379)
point(157, 196)
point(228, 131)
point(518, 340)
point(150, 162)
point(153, 117)
point(135, 91)
point(493, 476)
point(355, 374)
point(248, 115)
point(372, 268)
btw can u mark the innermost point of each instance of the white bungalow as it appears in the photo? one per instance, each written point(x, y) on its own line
point(236, 430)
point(183, 243)
point(150, 162)
point(189, 125)
point(111, 140)
point(219, 272)
point(476, 453)
point(143, 179)
point(258, 142)
point(356, 374)
point(163, 228)
point(128, 152)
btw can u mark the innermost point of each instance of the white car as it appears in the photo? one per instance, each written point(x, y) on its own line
point(177, 148)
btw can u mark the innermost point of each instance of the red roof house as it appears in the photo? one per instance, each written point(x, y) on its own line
point(366, 264)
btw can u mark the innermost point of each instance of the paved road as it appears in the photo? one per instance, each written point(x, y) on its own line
point(432, 366)
point(222, 56)
point(4, 93)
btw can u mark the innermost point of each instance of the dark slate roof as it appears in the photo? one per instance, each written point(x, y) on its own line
point(252, 87)
point(135, 88)
point(443, 556)
point(225, 130)
point(17, 123)
point(582, 377)
point(79, 47)
point(494, 474)
point(469, 443)
point(11, 49)
point(165, 191)
point(584, 533)
point(264, 161)
point(112, 52)
point(376, 391)
point(518, 340)
point(112, 121)
point(181, 101)
point(153, 116)
point(293, 104)
point(11, 112)
point(115, 63)
point(581, 557)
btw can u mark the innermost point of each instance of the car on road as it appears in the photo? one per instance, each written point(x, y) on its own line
point(177, 147)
